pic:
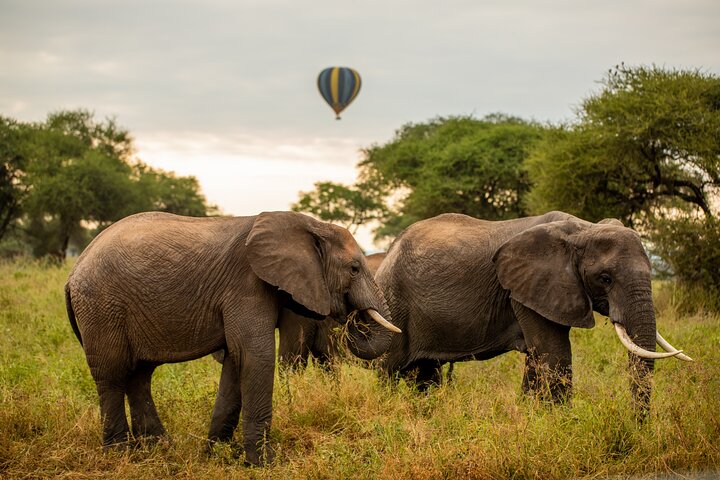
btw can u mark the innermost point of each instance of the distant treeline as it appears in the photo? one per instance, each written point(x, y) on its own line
point(65, 179)
point(644, 149)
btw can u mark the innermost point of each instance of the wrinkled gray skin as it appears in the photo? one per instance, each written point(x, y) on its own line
point(301, 337)
point(157, 288)
point(462, 289)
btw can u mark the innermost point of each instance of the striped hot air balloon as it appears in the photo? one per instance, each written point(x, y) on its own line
point(339, 86)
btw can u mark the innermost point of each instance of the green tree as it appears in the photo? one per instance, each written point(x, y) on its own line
point(349, 206)
point(645, 149)
point(166, 192)
point(77, 171)
point(12, 169)
point(453, 164)
point(647, 144)
point(71, 173)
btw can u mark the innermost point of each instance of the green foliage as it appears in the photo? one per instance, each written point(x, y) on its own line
point(646, 149)
point(12, 167)
point(337, 203)
point(348, 424)
point(650, 140)
point(70, 172)
point(166, 192)
point(454, 164)
point(691, 247)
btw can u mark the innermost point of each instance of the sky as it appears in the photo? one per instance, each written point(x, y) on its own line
point(226, 90)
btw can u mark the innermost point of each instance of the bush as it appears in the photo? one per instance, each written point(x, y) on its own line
point(691, 249)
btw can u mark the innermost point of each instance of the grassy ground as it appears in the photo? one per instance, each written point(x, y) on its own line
point(349, 425)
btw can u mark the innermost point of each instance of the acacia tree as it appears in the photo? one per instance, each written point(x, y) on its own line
point(645, 149)
point(454, 164)
point(12, 168)
point(349, 206)
point(649, 141)
point(72, 171)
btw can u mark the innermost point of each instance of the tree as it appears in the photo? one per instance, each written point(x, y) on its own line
point(648, 142)
point(453, 164)
point(347, 206)
point(71, 172)
point(645, 149)
point(166, 192)
point(12, 168)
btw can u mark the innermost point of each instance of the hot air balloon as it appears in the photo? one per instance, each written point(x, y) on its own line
point(339, 86)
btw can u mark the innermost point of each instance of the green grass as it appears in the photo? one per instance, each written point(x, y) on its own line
point(350, 425)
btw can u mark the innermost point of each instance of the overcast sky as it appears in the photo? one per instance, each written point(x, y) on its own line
point(225, 90)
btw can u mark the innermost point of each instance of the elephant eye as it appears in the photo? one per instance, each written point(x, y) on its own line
point(605, 279)
point(354, 270)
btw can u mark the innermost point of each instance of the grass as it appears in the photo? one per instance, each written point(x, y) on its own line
point(347, 424)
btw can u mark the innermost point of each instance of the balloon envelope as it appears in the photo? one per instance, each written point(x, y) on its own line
point(339, 86)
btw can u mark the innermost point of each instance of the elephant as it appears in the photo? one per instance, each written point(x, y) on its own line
point(155, 288)
point(301, 337)
point(462, 288)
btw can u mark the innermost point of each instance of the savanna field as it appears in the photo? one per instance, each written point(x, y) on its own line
point(348, 424)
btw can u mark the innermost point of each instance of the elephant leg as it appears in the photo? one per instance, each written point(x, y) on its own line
point(143, 414)
point(296, 336)
point(449, 376)
point(226, 413)
point(424, 374)
point(110, 371)
point(321, 354)
point(548, 365)
point(256, 384)
point(250, 339)
point(325, 349)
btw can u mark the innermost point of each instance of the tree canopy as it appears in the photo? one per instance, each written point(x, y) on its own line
point(70, 172)
point(647, 144)
point(349, 206)
point(453, 164)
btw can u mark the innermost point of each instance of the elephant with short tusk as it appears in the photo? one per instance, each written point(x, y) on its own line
point(302, 337)
point(156, 288)
point(462, 288)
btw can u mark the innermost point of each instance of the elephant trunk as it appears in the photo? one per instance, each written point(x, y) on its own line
point(368, 337)
point(639, 322)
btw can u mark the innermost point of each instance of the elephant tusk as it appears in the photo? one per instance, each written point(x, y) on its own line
point(379, 319)
point(669, 348)
point(637, 350)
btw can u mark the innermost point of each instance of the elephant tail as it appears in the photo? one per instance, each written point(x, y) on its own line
point(71, 314)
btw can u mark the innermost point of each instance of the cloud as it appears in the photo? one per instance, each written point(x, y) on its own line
point(246, 175)
point(240, 75)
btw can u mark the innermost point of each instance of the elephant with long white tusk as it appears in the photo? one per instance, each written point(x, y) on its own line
point(461, 288)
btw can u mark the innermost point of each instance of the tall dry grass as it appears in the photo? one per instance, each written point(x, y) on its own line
point(348, 424)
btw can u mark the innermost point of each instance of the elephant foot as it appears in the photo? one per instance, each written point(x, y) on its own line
point(223, 449)
point(555, 394)
point(147, 441)
point(423, 374)
point(550, 384)
point(118, 443)
point(259, 456)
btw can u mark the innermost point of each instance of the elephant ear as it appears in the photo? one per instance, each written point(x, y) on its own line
point(538, 266)
point(284, 250)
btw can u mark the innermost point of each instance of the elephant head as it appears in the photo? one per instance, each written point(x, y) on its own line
point(564, 270)
point(322, 271)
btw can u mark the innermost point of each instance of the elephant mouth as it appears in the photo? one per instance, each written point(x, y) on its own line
point(376, 317)
point(635, 349)
point(380, 320)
